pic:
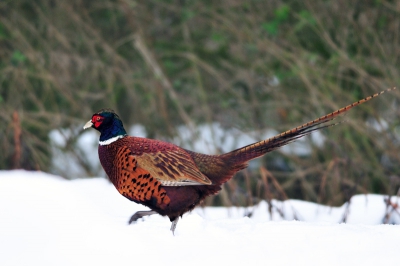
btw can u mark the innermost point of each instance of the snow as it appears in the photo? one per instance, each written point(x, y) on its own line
point(46, 220)
point(65, 162)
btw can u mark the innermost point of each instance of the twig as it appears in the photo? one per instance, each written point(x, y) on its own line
point(159, 74)
point(268, 196)
point(17, 141)
point(390, 208)
point(346, 212)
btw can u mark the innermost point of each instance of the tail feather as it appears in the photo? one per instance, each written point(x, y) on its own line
point(241, 156)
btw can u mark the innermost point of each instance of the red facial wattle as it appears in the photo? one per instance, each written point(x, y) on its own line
point(97, 120)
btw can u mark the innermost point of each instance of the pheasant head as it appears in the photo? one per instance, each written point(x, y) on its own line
point(108, 123)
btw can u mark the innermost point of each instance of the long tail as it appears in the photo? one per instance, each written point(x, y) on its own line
point(241, 156)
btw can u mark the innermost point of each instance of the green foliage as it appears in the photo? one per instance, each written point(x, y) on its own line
point(281, 15)
point(17, 58)
point(306, 18)
point(3, 33)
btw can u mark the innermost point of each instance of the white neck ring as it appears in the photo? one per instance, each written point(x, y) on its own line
point(111, 140)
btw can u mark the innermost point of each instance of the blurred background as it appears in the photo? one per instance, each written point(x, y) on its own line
point(209, 76)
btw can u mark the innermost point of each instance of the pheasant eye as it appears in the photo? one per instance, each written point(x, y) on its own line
point(97, 120)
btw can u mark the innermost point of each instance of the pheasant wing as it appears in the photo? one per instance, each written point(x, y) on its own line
point(172, 167)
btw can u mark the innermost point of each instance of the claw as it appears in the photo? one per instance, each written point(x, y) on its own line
point(140, 214)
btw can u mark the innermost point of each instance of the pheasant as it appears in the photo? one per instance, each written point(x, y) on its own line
point(171, 180)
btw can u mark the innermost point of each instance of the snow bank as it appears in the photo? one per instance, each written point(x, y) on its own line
point(45, 220)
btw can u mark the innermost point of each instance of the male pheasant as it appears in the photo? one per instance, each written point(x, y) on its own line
point(171, 180)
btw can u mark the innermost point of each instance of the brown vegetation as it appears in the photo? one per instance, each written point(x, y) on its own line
point(250, 65)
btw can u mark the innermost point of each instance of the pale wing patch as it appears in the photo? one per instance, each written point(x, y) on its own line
point(172, 168)
point(177, 184)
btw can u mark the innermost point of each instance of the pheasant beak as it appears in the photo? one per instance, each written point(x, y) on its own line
point(88, 124)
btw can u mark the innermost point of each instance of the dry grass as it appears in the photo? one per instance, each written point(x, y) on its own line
point(250, 65)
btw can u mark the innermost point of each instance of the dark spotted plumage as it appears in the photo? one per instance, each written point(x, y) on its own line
point(171, 180)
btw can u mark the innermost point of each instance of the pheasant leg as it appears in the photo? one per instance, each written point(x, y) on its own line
point(140, 214)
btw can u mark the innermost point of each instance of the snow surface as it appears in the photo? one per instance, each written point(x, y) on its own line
point(46, 220)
